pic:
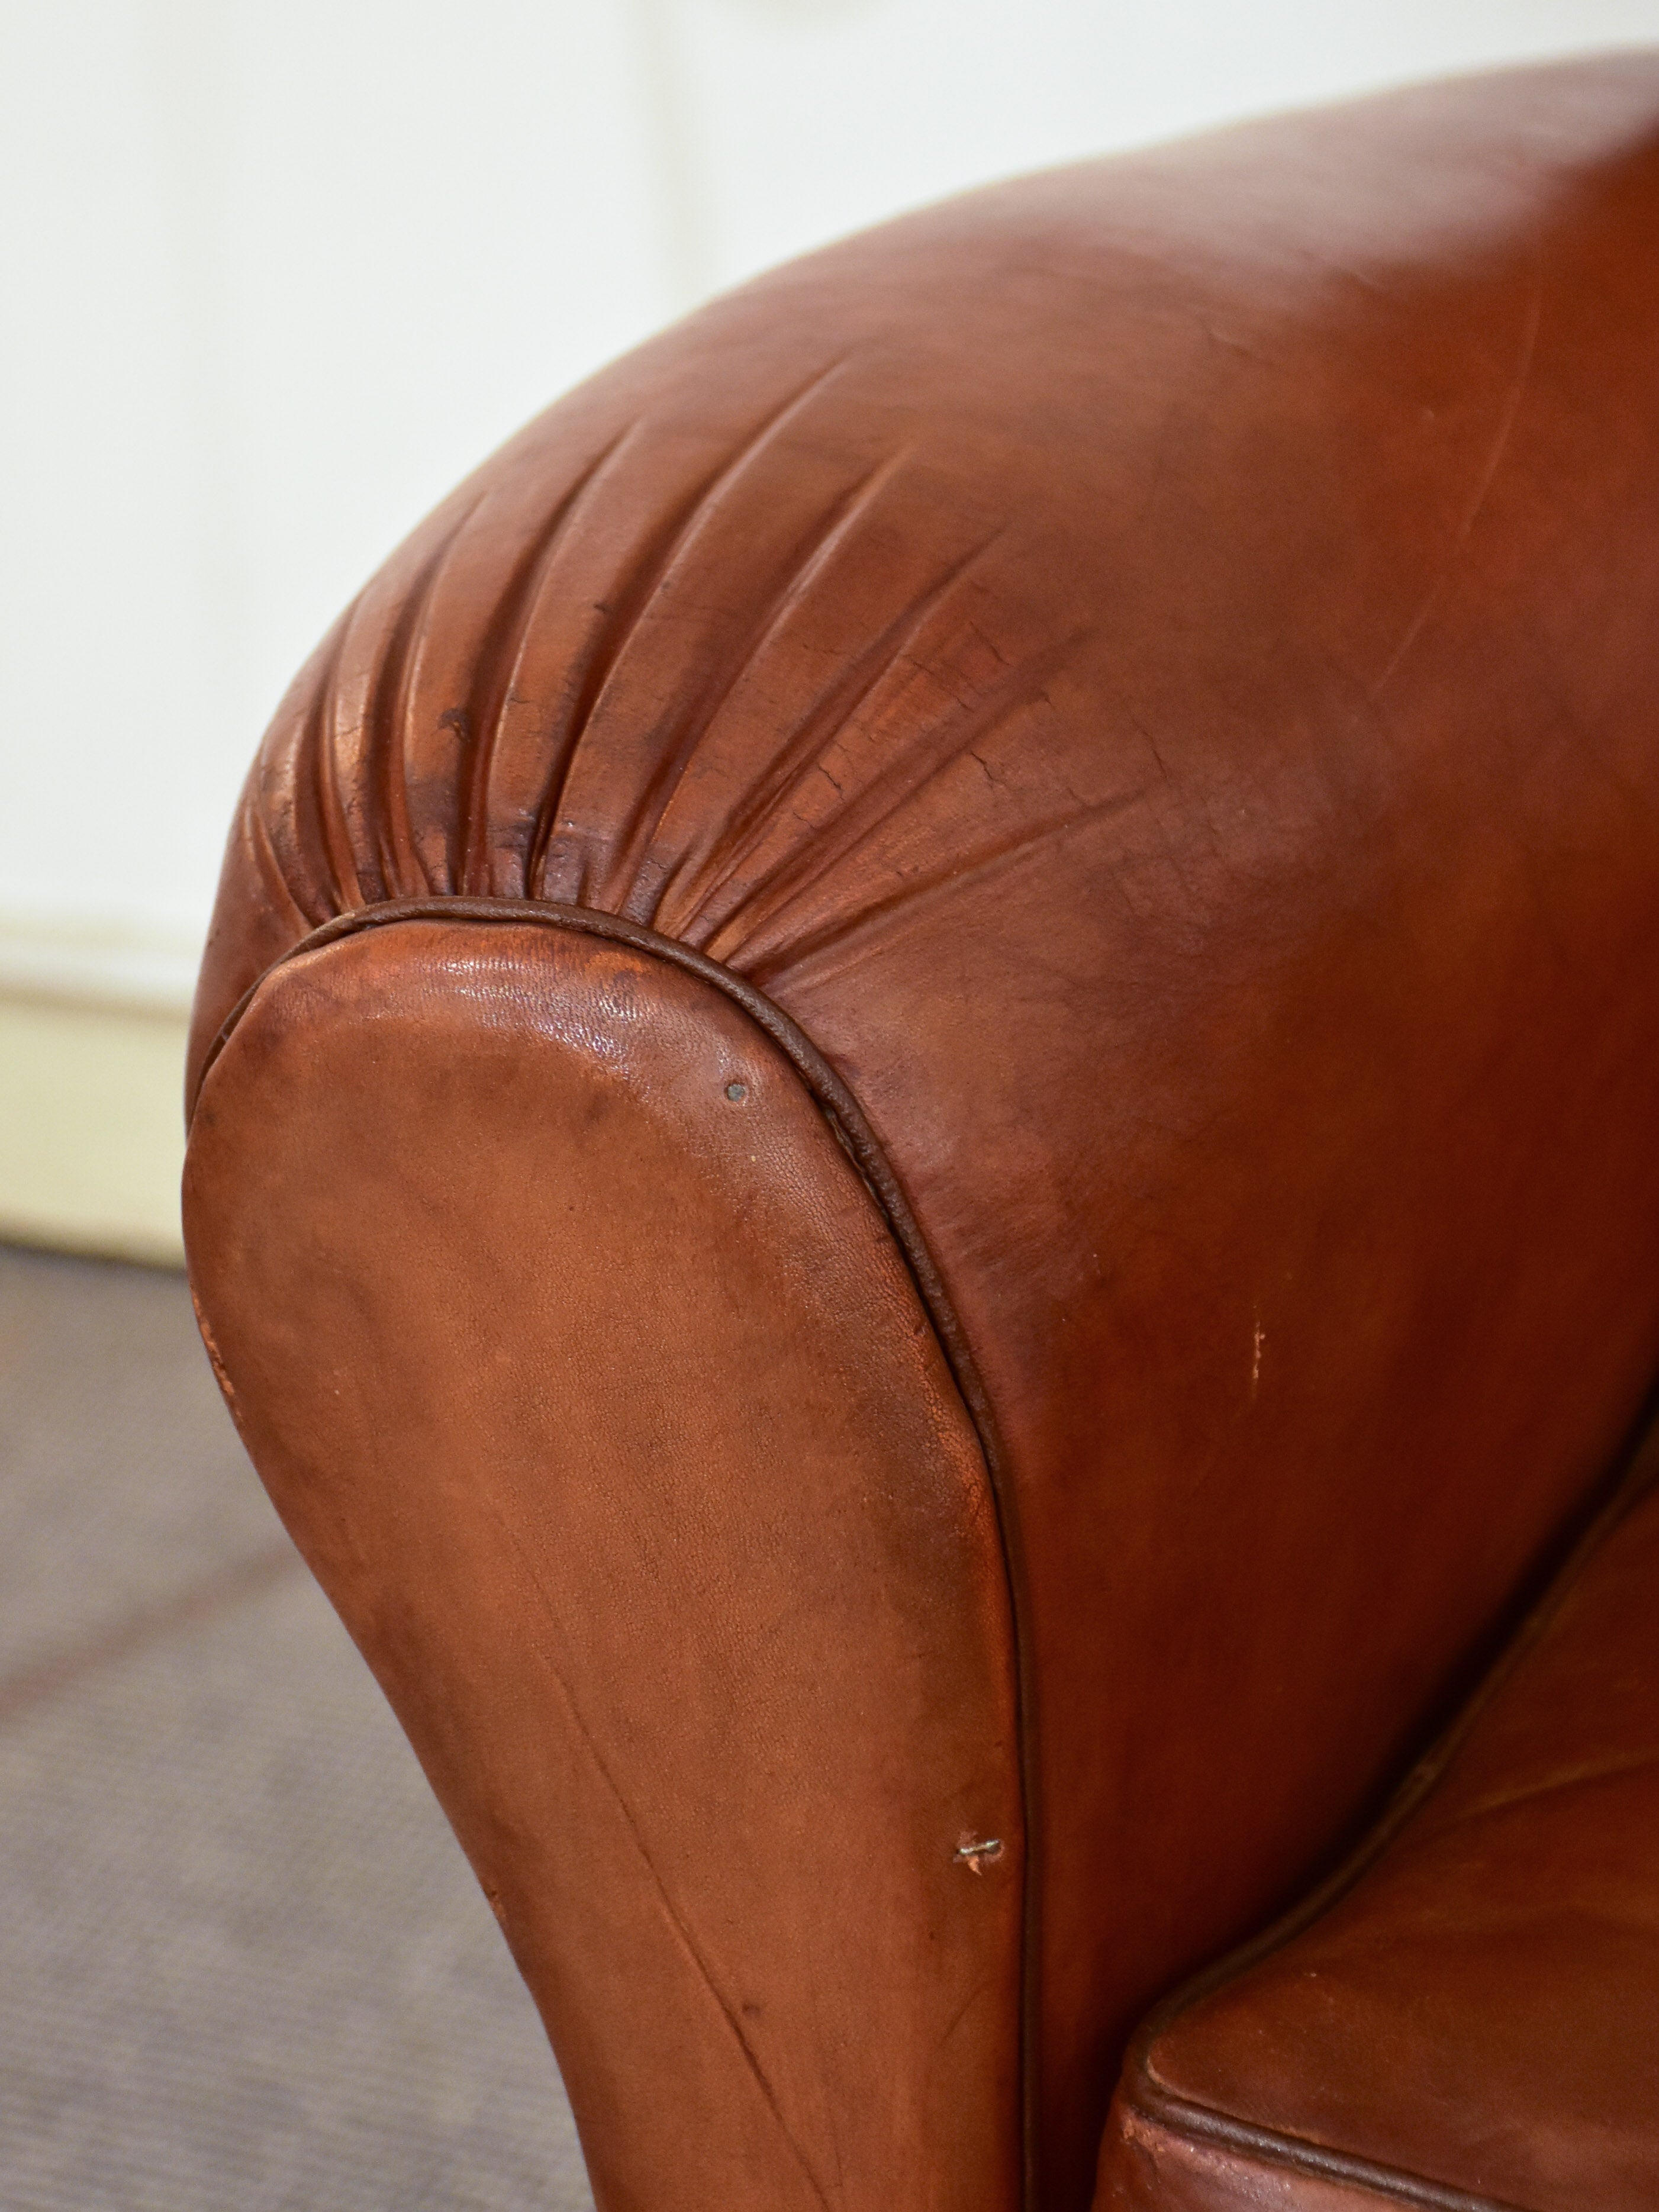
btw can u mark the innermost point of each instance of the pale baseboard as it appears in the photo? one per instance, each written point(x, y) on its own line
point(92, 1134)
point(92, 1056)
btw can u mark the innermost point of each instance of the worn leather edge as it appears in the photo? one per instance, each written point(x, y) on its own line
point(1148, 2099)
point(1199, 2125)
point(857, 1139)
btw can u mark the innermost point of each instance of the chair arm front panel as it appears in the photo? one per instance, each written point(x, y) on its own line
point(586, 1372)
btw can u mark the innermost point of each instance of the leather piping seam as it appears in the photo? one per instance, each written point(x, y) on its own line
point(1152, 2100)
point(852, 1131)
point(1199, 2124)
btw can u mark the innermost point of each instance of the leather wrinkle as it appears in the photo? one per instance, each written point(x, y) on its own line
point(324, 786)
point(1636, 1480)
point(951, 739)
point(607, 650)
point(649, 580)
point(819, 537)
point(1508, 414)
point(801, 755)
point(400, 853)
point(497, 656)
point(373, 855)
point(271, 877)
point(853, 1133)
point(1492, 1809)
point(837, 945)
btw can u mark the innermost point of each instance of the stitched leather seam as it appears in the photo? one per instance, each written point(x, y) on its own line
point(847, 1121)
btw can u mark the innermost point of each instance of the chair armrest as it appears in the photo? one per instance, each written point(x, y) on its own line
point(1151, 670)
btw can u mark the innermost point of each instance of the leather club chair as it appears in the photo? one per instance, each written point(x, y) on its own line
point(926, 1161)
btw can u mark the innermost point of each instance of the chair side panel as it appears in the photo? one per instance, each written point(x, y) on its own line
point(586, 1372)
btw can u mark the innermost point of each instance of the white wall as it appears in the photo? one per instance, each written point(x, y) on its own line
point(274, 276)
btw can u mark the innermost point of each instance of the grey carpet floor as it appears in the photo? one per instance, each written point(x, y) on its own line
point(243, 1965)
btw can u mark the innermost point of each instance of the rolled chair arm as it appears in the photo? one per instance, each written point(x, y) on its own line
point(1118, 713)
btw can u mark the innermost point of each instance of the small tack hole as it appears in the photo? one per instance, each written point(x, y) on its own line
point(737, 1092)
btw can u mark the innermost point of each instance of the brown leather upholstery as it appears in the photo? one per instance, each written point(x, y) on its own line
point(1471, 2018)
point(1149, 671)
point(602, 1405)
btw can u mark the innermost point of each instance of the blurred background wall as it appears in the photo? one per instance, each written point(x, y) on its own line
point(275, 276)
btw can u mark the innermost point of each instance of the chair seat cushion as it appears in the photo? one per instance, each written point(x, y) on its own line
point(1468, 2014)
